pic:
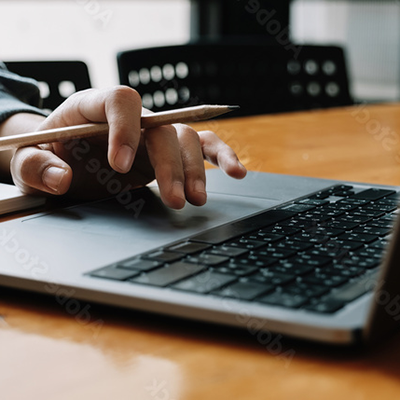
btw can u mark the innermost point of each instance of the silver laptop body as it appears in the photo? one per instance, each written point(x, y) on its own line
point(54, 253)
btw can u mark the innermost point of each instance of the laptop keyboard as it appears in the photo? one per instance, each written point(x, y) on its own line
point(318, 253)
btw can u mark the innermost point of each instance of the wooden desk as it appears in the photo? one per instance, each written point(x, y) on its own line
point(46, 353)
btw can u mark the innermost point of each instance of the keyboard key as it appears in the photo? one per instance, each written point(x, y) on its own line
point(342, 224)
point(257, 260)
point(368, 252)
point(351, 291)
point(114, 273)
point(245, 290)
point(381, 207)
point(358, 237)
point(368, 213)
point(326, 231)
point(380, 244)
point(247, 244)
point(326, 307)
point(353, 201)
point(305, 289)
point(189, 247)
point(236, 269)
point(273, 277)
point(313, 202)
point(310, 237)
point(344, 270)
point(278, 230)
point(227, 232)
point(373, 194)
point(299, 223)
point(274, 252)
point(293, 269)
point(164, 256)
point(342, 245)
point(321, 279)
point(294, 245)
point(380, 223)
point(207, 259)
point(265, 236)
point(373, 230)
point(140, 264)
point(205, 282)
point(284, 299)
point(362, 262)
point(168, 274)
point(227, 251)
point(357, 219)
point(298, 208)
point(310, 259)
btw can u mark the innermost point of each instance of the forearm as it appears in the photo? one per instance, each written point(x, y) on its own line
point(17, 123)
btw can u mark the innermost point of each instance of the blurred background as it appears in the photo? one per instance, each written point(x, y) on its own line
point(95, 30)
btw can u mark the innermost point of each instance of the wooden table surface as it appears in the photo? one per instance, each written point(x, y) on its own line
point(47, 353)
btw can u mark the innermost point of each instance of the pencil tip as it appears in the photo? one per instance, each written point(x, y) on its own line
point(233, 107)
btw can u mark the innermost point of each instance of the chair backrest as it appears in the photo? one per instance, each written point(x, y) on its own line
point(57, 79)
point(260, 78)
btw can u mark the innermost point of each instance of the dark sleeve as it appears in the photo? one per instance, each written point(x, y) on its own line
point(18, 94)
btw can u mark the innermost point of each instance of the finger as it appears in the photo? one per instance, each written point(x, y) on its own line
point(165, 157)
point(123, 111)
point(220, 154)
point(34, 169)
point(193, 165)
point(119, 106)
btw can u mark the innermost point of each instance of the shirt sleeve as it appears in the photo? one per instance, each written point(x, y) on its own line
point(18, 94)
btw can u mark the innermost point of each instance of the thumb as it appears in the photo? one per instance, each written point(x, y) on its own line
point(34, 169)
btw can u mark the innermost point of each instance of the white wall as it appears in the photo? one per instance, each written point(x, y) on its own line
point(370, 32)
point(89, 30)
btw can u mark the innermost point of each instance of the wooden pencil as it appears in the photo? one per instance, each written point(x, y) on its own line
point(183, 115)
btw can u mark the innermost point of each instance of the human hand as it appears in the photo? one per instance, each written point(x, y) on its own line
point(174, 155)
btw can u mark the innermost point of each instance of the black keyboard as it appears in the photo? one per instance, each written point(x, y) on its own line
point(318, 253)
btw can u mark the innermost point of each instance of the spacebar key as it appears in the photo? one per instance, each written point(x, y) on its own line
point(230, 231)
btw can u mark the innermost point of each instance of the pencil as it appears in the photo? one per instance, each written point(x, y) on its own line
point(183, 115)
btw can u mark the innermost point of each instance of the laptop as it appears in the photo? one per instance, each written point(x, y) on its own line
point(308, 258)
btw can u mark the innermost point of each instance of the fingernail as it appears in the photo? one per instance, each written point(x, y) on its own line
point(124, 158)
point(177, 190)
point(52, 177)
point(200, 188)
point(241, 165)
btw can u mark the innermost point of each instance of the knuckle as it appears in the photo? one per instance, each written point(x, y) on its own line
point(188, 133)
point(125, 94)
point(207, 135)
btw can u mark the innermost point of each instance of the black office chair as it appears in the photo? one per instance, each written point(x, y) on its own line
point(57, 79)
point(260, 78)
